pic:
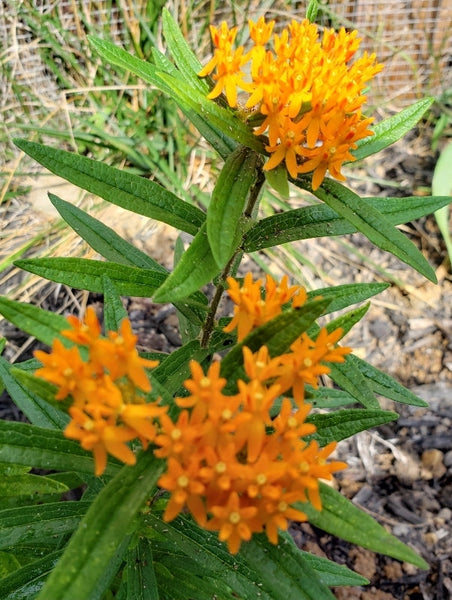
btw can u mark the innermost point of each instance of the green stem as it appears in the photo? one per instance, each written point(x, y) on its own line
point(210, 319)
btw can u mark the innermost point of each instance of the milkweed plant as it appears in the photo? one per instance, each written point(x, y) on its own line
point(190, 466)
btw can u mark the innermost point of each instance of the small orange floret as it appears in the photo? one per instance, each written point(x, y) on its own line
point(108, 409)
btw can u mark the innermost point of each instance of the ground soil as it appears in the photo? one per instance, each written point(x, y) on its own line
point(400, 473)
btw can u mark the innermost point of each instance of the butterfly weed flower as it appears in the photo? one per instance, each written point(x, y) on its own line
point(307, 88)
point(109, 408)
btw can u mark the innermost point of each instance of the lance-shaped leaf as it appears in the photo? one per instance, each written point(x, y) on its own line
point(220, 117)
point(23, 583)
point(25, 444)
point(114, 311)
point(29, 485)
point(385, 385)
point(183, 55)
point(29, 399)
point(373, 224)
point(348, 377)
point(278, 334)
point(390, 130)
point(104, 528)
point(343, 519)
point(102, 238)
point(341, 424)
point(182, 543)
point(126, 190)
point(228, 202)
point(218, 132)
point(196, 267)
point(321, 221)
point(141, 578)
point(88, 274)
point(41, 324)
point(345, 295)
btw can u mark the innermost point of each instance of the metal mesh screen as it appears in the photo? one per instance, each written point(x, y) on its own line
point(413, 39)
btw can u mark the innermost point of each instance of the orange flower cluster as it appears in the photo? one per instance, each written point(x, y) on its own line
point(108, 407)
point(237, 469)
point(307, 92)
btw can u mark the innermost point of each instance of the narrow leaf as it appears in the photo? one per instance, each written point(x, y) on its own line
point(385, 385)
point(280, 574)
point(222, 142)
point(123, 189)
point(103, 529)
point(390, 130)
point(29, 485)
point(348, 377)
point(25, 444)
point(184, 57)
point(141, 579)
point(114, 311)
point(343, 519)
point(373, 225)
point(41, 324)
point(24, 583)
point(341, 424)
point(35, 408)
point(222, 118)
point(102, 239)
point(228, 202)
point(196, 267)
point(321, 221)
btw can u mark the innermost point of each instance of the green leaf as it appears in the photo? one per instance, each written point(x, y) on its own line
point(222, 118)
point(25, 444)
point(29, 485)
point(341, 424)
point(123, 189)
point(277, 179)
point(24, 583)
point(327, 397)
point(189, 329)
point(34, 407)
point(312, 10)
point(442, 184)
point(86, 274)
point(114, 311)
point(45, 523)
point(342, 296)
point(348, 377)
point(199, 548)
point(184, 57)
point(102, 239)
point(278, 334)
point(43, 394)
point(343, 519)
point(279, 573)
point(228, 203)
point(141, 579)
point(41, 324)
point(222, 142)
point(390, 130)
point(321, 221)
point(373, 225)
point(104, 528)
point(385, 385)
point(8, 564)
point(196, 267)
point(174, 369)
